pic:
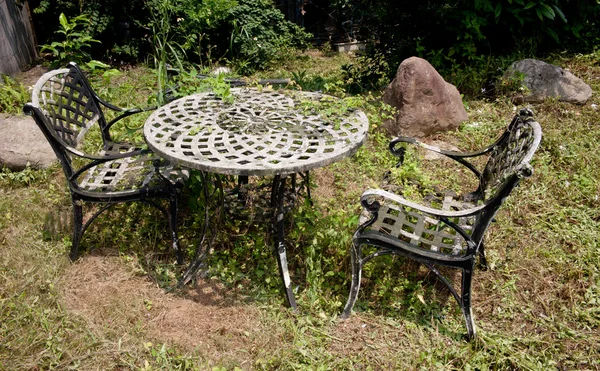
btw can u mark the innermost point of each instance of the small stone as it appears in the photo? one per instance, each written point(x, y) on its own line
point(220, 70)
point(433, 156)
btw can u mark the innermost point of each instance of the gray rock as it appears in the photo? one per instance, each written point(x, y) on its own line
point(425, 103)
point(433, 156)
point(22, 143)
point(546, 80)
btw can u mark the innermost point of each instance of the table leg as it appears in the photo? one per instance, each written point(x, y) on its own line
point(306, 180)
point(242, 182)
point(278, 207)
point(208, 233)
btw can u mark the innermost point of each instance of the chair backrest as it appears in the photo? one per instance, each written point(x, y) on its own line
point(511, 154)
point(60, 140)
point(507, 165)
point(69, 103)
point(65, 107)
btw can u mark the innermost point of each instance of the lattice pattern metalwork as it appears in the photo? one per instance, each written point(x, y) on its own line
point(260, 133)
point(69, 105)
point(508, 156)
point(62, 96)
point(422, 231)
point(135, 172)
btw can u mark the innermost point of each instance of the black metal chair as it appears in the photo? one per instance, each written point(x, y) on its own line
point(67, 110)
point(452, 235)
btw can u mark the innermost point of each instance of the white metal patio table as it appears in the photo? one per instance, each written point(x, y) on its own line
point(258, 132)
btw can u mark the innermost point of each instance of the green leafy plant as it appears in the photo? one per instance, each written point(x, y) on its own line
point(512, 84)
point(76, 38)
point(198, 21)
point(367, 72)
point(189, 81)
point(25, 177)
point(263, 34)
point(13, 95)
point(166, 49)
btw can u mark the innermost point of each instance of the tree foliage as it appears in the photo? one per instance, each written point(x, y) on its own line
point(467, 28)
point(461, 33)
point(254, 33)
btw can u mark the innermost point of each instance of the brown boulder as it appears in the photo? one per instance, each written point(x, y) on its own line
point(425, 103)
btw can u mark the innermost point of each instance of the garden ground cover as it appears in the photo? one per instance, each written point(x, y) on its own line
point(537, 307)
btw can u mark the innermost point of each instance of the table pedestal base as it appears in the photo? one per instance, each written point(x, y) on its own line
point(284, 191)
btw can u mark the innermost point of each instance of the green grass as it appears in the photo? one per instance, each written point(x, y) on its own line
point(536, 308)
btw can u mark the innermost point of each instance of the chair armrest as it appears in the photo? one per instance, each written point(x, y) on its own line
point(454, 155)
point(368, 195)
point(126, 113)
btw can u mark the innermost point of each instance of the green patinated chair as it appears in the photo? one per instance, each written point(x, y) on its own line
point(450, 235)
point(67, 110)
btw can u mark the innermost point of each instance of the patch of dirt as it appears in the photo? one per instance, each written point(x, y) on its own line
point(328, 190)
point(325, 181)
point(31, 76)
point(373, 345)
point(316, 53)
point(112, 299)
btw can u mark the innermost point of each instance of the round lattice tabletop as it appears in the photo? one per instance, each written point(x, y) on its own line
point(257, 133)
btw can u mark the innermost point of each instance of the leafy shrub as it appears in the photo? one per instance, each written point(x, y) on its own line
point(251, 34)
point(454, 35)
point(188, 26)
point(261, 35)
point(76, 38)
point(368, 72)
point(119, 25)
point(13, 95)
point(198, 22)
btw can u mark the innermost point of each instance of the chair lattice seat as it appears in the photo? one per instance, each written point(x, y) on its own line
point(128, 174)
point(423, 232)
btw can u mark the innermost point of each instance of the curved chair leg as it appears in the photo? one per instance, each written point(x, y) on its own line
point(356, 262)
point(77, 229)
point(467, 277)
point(482, 259)
point(173, 227)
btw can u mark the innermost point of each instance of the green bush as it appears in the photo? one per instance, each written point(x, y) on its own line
point(74, 40)
point(466, 35)
point(250, 34)
point(190, 25)
point(261, 35)
point(367, 72)
point(117, 24)
point(13, 95)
